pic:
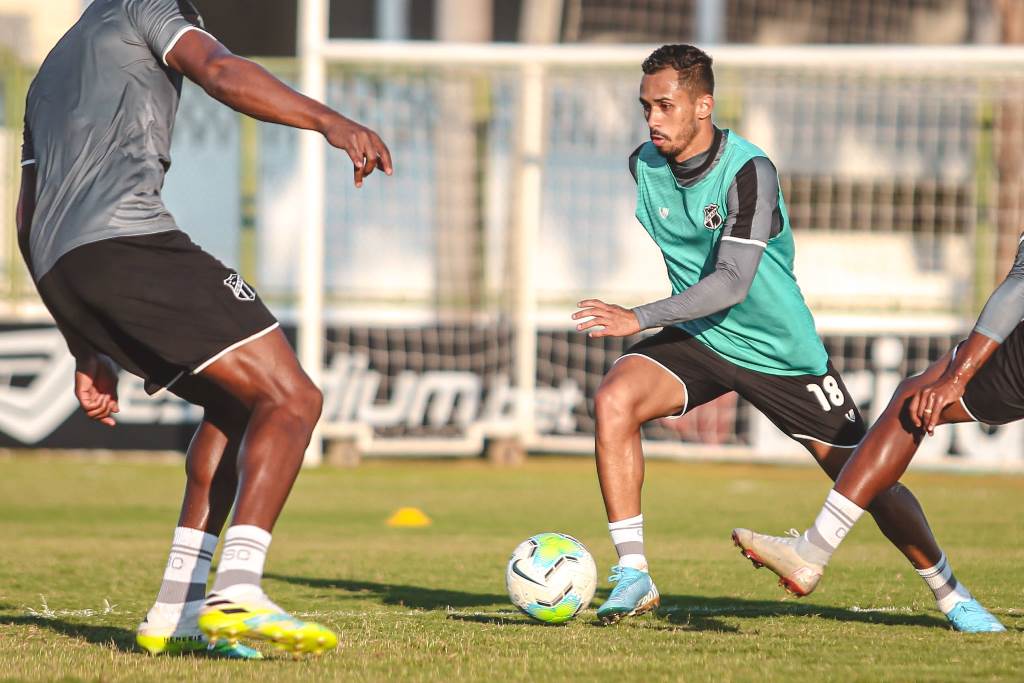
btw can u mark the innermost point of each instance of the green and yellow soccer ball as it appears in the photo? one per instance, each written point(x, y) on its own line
point(551, 577)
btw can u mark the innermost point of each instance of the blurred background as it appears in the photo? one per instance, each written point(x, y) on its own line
point(896, 125)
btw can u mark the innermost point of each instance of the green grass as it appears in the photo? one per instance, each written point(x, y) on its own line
point(429, 604)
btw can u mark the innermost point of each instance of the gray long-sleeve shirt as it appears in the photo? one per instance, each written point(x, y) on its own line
point(1005, 308)
point(753, 217)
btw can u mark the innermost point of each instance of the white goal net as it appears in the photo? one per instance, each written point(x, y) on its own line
point(449, 287)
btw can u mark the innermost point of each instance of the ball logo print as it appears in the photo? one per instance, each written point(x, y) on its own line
point(551, 577)
point(712, 219)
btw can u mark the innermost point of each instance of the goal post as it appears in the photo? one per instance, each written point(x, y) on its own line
point(887, 157)
point(313, 26)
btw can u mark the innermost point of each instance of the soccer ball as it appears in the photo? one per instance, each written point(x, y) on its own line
point(551, 577)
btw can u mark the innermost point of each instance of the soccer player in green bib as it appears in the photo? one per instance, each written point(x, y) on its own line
point(736, 320)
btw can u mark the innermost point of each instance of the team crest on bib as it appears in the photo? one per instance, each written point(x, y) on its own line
point(242, 291)
point(712, 219)
point(663, 211)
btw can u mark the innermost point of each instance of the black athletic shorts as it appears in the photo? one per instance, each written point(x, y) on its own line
point(995, 395)
point(157, 304)
point(805, 407)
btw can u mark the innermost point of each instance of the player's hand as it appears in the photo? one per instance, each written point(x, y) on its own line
point(364, 147)
point(96, 388)
point(926, 405)
point(614, 320)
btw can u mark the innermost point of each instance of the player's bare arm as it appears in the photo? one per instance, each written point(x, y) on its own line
point(250, 89)
point(1002, 314)
point(927, 403)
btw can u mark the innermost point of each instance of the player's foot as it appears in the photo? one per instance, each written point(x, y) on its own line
point(970, 617)
point(634, 593)
point(162, 642)
point(779, 553)
point(255, 616)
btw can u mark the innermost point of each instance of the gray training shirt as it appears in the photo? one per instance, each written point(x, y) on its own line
point(98, 126)
point(753, 212)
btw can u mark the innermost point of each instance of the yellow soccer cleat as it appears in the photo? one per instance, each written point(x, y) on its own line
point(156, 643)
point(223, 619)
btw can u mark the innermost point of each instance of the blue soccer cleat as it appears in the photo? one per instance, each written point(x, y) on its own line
point(634, 593)
point(970, 617)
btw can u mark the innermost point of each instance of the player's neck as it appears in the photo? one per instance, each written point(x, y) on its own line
point(700, 144)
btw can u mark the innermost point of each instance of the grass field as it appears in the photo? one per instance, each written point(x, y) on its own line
point(83, 545)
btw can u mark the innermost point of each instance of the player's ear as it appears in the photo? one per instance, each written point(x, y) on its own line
point(704, 105)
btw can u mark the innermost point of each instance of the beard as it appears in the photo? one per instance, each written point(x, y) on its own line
point(680, 142)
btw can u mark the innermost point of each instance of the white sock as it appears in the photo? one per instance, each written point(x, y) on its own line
point(241, 561)
point(628, 537)
point(947, 590)
point(184, 584)
point(837, 517)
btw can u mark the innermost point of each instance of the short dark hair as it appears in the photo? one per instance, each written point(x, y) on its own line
point(692, 64)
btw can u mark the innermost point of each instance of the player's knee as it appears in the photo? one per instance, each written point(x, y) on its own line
point(304, 402)
point(613, 405)
point(312, 401)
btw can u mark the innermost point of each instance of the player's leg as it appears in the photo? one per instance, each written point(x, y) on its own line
point(171, 625)
point(870, 481)
point(211, 463)
point(800, 561)
point(895, 510)
point(901, 519)
point(284, 406)
point(188, 314)
point(887, 450)
point(645, 384)
point(88, 300)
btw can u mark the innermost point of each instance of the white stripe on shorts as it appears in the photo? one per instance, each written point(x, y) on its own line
point(203, 366)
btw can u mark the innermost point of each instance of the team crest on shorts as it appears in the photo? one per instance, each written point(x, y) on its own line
point(242, 291)
point(712, 219)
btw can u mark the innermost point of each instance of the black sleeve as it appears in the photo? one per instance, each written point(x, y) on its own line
point(754, 212)
point(632, 161)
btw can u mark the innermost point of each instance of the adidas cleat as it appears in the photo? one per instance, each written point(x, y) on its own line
point(226, 620)
point(634, 593)
point(779, 553)
point(970, 617)
point(191, 644)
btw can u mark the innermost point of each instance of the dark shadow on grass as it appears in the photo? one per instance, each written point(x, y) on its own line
point(499, 619)
point(119, 638)
point(685, 609)
point(678, 612)
point(700, 623)
point(415, 597)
